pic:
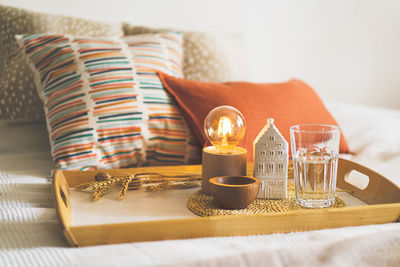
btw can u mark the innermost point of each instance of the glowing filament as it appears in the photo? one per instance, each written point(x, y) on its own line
point(224, 129)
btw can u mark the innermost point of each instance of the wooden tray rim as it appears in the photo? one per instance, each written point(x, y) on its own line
point(282, 222)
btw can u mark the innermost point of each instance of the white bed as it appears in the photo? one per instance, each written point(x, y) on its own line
point(30, 232)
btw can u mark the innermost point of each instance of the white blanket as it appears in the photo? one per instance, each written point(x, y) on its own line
point(30, 232)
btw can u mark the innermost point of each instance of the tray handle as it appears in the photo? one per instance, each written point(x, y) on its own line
point(379, 190)
point(62, 204)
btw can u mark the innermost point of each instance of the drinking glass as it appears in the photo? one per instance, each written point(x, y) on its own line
point(315, 150)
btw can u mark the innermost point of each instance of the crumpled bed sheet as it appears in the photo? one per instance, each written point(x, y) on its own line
point(30, 231)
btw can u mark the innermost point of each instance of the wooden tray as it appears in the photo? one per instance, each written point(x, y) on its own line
point(381, 195)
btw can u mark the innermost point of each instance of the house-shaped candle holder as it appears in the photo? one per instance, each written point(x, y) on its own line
point(271, 162)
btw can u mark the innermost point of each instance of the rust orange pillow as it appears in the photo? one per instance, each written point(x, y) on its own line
point(289, 103)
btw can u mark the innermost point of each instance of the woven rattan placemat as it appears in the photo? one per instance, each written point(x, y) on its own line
point(205, 205)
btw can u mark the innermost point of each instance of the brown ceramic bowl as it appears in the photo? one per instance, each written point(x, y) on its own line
point(234, 192)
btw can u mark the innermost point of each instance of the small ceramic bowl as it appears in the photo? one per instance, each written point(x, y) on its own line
point(234, 192)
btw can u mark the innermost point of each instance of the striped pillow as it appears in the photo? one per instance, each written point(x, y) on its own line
point(105, 105)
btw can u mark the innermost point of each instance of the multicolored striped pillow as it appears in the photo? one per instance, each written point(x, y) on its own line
point(105, 105)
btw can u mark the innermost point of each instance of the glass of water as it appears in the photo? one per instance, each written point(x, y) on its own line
point(315, 150)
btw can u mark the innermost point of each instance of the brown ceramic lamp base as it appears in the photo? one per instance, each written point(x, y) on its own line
point(217, 164)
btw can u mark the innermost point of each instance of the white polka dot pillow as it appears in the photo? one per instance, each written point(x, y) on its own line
point(105, 105)
point(209, 57)
point(18, 99)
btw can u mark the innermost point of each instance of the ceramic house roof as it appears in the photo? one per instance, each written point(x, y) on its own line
point(268, 130)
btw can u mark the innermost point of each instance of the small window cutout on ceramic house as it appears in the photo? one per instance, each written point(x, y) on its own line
point(279, 153)
point(280, 167)
point(279, 144)
point(263, 153)
point(272, 138)
point(261, 167)
point(270, 167)
point(271, 153)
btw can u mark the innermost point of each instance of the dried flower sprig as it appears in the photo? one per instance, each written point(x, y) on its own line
point(149, 182)
point(93, 186)
point(174, 185)
point(124, 187)
point(99, 193)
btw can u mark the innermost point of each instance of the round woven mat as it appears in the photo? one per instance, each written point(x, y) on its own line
point(205, 205)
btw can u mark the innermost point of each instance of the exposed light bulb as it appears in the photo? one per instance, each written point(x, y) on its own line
point(225, 127)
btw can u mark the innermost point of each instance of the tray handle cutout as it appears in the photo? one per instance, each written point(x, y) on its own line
point(63, 206)
point(357, 179)
point(64, 198)
point(61, 197)
point(372, 186)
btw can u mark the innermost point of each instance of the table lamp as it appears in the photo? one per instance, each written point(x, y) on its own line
point(224, 127)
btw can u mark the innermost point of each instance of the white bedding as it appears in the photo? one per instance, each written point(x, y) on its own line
point(30, 232)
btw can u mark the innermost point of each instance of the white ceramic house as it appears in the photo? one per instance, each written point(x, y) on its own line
point(271, 162)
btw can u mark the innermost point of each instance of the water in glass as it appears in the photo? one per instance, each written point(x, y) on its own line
point(316, 183)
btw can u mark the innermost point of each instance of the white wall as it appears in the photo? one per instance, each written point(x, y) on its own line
point(348, 50)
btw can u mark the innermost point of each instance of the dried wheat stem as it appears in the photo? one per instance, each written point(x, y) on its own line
point(99, 193)
point(150, 182)
point(93, 186)
point(158, 187)
point(163, 179)
point(184, 185)
point(124, 187)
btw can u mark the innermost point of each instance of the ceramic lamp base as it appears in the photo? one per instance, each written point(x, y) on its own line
point(217, 164)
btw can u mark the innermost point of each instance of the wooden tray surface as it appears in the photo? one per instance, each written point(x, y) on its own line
point(382, 195)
